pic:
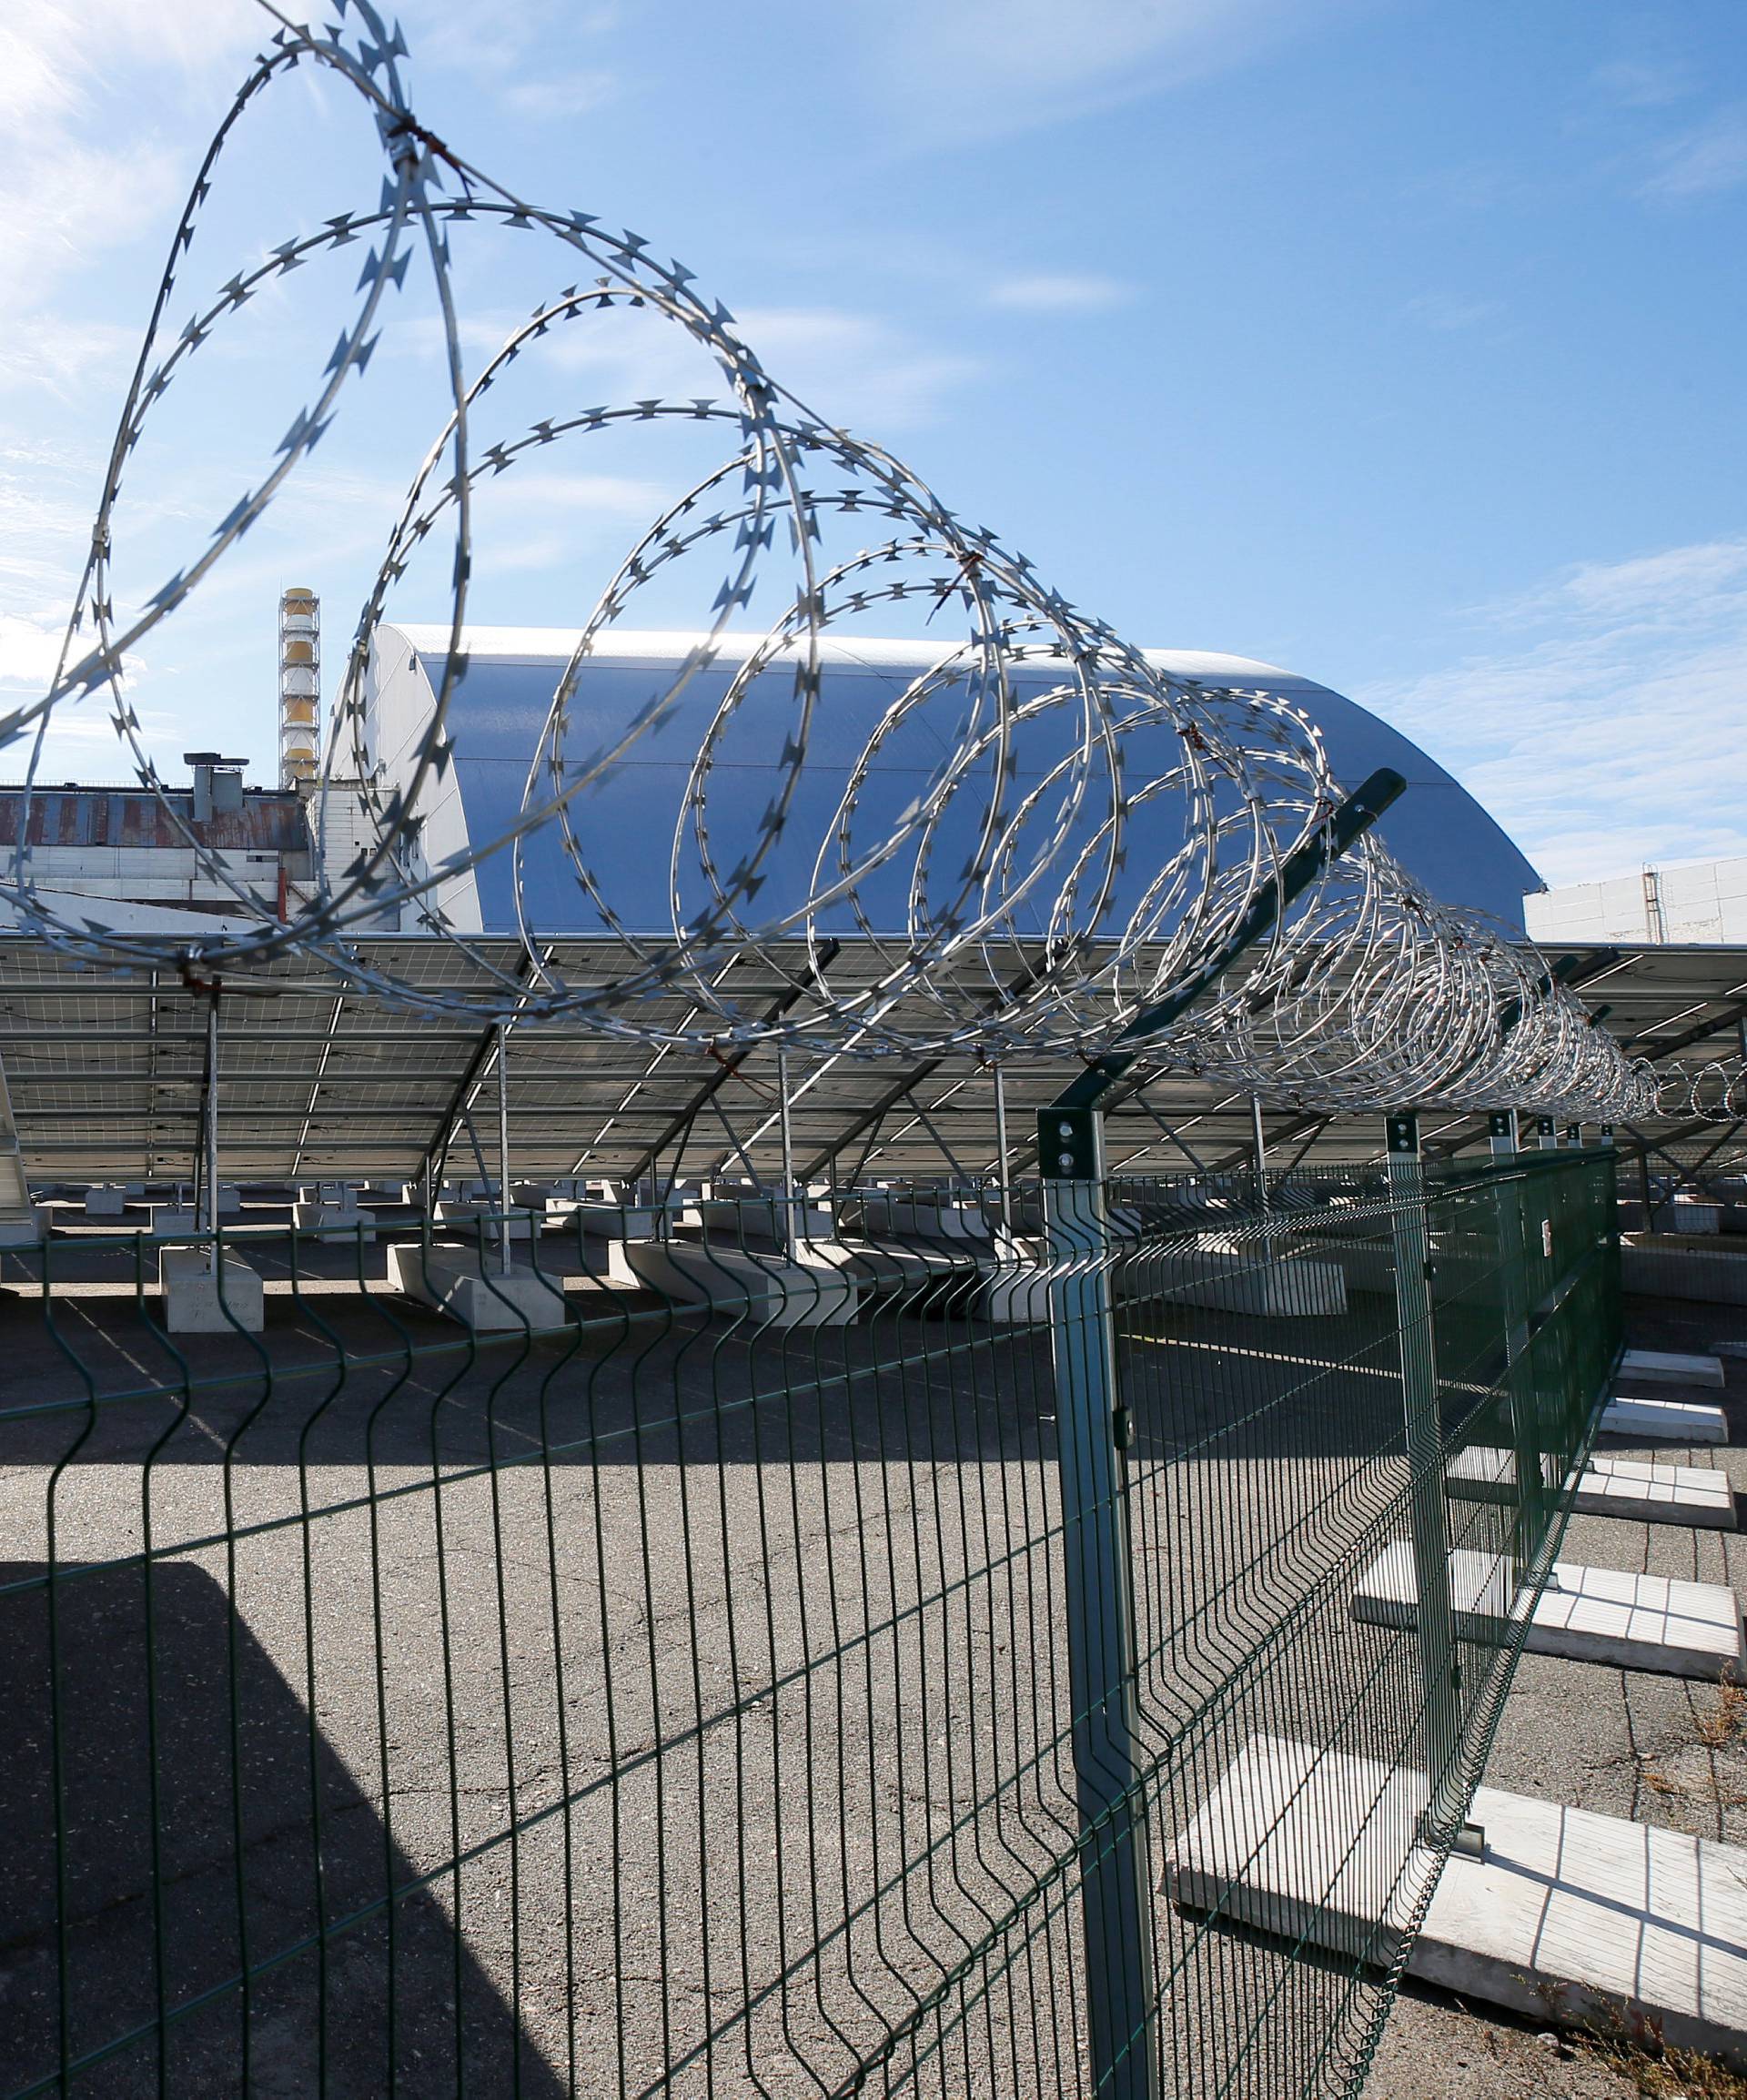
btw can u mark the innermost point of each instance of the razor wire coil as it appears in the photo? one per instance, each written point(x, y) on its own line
point(1071, 769)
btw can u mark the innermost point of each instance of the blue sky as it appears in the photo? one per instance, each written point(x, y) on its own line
point(1399, 343)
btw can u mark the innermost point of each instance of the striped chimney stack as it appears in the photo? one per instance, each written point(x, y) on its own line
point(299, 687)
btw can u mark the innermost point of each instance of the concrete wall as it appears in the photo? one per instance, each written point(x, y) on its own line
point(1706, 901)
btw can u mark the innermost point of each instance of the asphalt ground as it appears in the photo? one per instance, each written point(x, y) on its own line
point(699, 1696)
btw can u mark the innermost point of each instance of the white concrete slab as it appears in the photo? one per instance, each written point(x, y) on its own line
point(916, 1216)
point(480, 1295)
point(616, 1221)
point(1660, 1367)
point(1308, 1844)
point(771, 1290)
point(335, 1217)
point(178, 1217)
point(1367, 1264)
point(1649, 1622)
point(1238, 1277)
point(887, 1272)
point(1645, 1490)
point(189, 1279)
point(472, 1217)
point(1565, 1916)
point(1671, 1268)
point(731, 1221)
point(1665, 1421)
point(1013, 1285)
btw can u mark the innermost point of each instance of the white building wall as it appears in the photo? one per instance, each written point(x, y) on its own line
point(1706, 901)
point(399, 704)
point(155, 875)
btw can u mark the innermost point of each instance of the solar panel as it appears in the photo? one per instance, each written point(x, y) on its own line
point(106, 1073)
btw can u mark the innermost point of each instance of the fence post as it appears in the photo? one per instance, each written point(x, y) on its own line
point(504, 1261)
point(1091, 1432)
point(206, 1218)
point(1525, 1424)
point(1441, 1721)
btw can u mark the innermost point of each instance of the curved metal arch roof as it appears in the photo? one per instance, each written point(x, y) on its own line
point(1437, 830)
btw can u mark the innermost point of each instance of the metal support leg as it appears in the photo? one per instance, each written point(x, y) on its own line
point(1441, 1725)
point(1092, 1428)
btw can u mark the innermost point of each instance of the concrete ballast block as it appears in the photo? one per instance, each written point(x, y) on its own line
point(1238, 1279)
point(1564, 1916)
point(1645, 1490)
point(772, 1290)
point(338, 1219)
point(479, 1294)
point(1661, 1366)
point(190, 1278)
point(1649, 1622)
point(1666, 1421)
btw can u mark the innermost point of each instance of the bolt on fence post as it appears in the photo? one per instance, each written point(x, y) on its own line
point(1091, 1432)
point(1506, 1140)
point(1442, 1724)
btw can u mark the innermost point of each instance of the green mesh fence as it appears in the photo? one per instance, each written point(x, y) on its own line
point(682, 1689)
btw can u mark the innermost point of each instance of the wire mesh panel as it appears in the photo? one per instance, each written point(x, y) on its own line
point(673, 1689)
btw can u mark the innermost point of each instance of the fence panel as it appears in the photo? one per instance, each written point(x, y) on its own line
point(691, 1698)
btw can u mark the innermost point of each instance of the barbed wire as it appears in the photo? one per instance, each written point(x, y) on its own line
point(1712, 1092)
point(1088, 832)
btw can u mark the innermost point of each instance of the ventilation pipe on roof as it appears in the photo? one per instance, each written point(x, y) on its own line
point(217, 784)
point(300, 686)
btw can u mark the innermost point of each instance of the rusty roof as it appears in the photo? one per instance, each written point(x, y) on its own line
point(271, 820)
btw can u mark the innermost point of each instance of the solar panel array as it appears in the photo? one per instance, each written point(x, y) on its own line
point(107, 1071)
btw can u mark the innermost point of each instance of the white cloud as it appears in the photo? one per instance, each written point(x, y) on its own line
point(1060, 292)
point(1604, 724)
point(595, 495)
point(856, 370)
point(568, 94)
point(29, 651)
point(503, 49)
point(850, 368)
point(1681, 581)
point(80, 175)
point(978, 69)
point(1639, 84)
point(1446, 313)
point(1711, 157)
point(67, 187)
